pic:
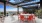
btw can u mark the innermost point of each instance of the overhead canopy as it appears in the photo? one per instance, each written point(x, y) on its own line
point(27, 3)
point(29, 6)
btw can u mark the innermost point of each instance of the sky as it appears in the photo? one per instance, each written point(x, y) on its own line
point(1, 7)
point(15, 1)
point(8, 8)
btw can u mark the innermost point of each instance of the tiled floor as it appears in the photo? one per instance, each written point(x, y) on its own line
point(37, 21)
point(1, 20)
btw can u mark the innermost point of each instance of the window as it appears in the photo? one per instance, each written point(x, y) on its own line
point(1, 9)
point(10, 9)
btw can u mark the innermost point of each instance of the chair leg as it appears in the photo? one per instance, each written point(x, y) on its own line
point(28, 21)
point(33, 21)
point(22, 22)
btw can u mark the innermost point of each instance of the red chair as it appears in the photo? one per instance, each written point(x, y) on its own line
point(21, 18)
point(30, 18)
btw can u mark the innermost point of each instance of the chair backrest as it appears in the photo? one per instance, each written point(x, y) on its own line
point(31, 17)
point(21, 17)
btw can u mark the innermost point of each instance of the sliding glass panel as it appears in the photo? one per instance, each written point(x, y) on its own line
point(11, 10)
point(1, 9)
point(1, 12)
